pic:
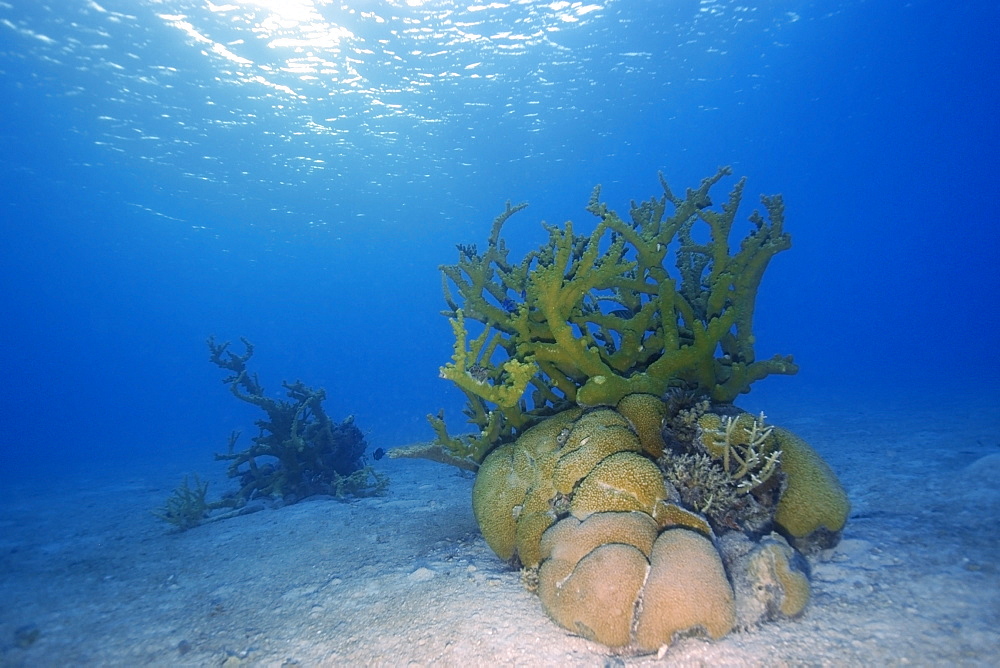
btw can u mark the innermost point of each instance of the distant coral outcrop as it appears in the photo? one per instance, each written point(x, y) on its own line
point(299, 451)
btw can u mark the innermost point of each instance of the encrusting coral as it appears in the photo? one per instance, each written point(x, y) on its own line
point(612, 465)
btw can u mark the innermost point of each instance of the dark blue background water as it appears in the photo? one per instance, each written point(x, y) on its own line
point(296, 174)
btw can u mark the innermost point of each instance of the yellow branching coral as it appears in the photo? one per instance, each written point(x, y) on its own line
point(743, 447)
point(514, 374)
point(588, 319)
point(466, 451)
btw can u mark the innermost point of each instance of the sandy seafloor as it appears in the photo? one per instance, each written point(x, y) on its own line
point(94, 579)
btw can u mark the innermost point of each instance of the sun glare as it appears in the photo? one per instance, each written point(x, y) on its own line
point(286, 24)
point(372, 52)
point(286, 12)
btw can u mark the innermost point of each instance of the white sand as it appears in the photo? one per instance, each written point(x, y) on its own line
point(406, 578)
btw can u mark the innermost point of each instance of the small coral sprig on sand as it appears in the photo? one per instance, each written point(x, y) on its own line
point(187, 507)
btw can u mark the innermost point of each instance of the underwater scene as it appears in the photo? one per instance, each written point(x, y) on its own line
point(421, 332)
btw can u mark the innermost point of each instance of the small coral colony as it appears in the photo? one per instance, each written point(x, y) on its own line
point(298, 452)
point(613, 467)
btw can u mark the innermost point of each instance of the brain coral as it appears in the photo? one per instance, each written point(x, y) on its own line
point(563, 464)
point(686, 589)
point(612, 580)
point(620, 559)
point(573, 581)
point(814, 501)
point(507, 476)
point(646, 413)
point(768, 577)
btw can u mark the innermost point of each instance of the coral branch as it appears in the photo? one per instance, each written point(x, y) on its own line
point(586, 320)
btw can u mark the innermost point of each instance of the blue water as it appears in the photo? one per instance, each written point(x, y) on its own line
point(295, 172)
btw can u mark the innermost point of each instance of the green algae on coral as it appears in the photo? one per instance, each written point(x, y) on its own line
point(588, 319)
